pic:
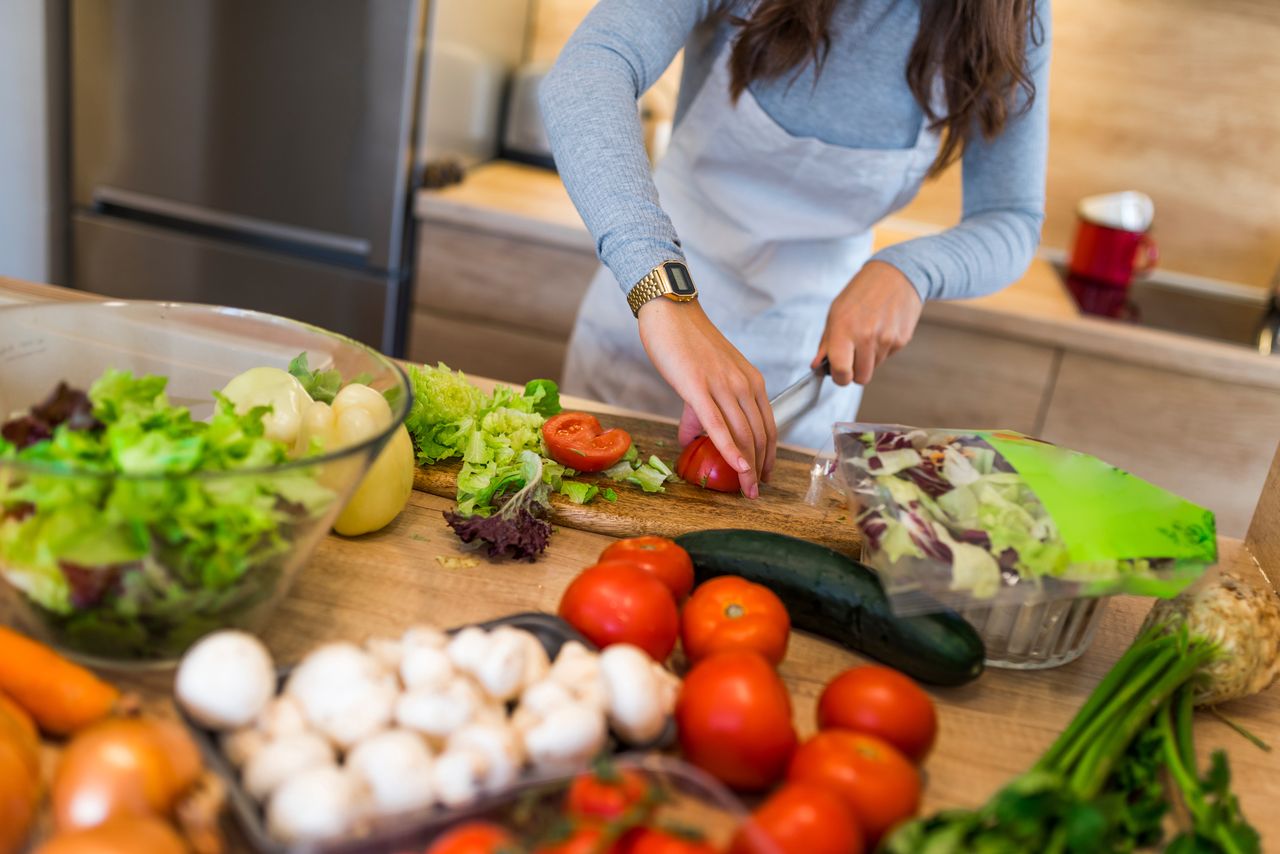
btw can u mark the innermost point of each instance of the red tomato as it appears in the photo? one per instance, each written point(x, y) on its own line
point(800, 818)
point(732, 613)
point(734, 719)
point(577, 441)
point(474, 837)
point(701, 463)
point(584, 839)
point(882, 702)
point(649, 840)
point(621, 603)
point(658, 555)
point(606, 796)
point(879, 783)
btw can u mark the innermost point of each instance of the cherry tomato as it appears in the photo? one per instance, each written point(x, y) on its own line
point(734, 719)
point(732, 613)
point(474, 837)
point(658, 555)
point(618, 602)
point(597, 796)
point(882, 702)
point(879, 783)
point(800, 818)
point(583, 839)
point(649, 840)
point(700, 463)
point(577, 441)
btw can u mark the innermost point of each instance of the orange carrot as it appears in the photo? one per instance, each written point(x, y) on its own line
point(19, 775)
point(60, 695)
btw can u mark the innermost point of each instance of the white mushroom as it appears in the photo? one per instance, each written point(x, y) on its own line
point(437, 712)
point(567, 738)
point(388, 652)
point(395, 767)
point(425, 667)
point(241, 745)
point(501, 669)
point(634, 694)
point(668, 687)
point(537, 665)
point(457, 775)
point(282, 716)
point(282, 759)
point(344, 692)
point(225, 679)
point(319, 803)
point(501, 747)
point(578, 669)
point(467, 648)
point(537, 701)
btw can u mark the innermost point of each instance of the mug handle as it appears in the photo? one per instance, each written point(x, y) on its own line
point(1147, 255)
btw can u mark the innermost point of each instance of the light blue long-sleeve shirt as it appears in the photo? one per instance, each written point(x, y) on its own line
point(860, 99)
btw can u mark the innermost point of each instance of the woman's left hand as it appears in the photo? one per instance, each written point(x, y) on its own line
point(873, 318)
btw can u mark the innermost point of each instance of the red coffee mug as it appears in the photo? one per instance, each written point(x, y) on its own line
point(1112, 245)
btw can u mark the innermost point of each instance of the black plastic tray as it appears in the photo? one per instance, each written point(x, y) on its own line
point(401, 832)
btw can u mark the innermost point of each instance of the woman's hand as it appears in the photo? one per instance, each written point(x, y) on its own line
point(724, 394)
point(872, 318)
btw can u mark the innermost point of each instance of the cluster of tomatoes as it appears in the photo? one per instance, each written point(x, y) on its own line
point(843, 788)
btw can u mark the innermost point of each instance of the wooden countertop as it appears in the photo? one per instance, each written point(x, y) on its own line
point(991, 730)
point(530, 203)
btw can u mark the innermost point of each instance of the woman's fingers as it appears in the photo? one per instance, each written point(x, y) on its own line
point(771, 434)
point(690, 427)
point(840, 352)
point(743, 431)
point(864, 360)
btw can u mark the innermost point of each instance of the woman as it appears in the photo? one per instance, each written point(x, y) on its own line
point(800, 125)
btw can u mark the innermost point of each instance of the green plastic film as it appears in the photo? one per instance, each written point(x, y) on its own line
point(1104, 513)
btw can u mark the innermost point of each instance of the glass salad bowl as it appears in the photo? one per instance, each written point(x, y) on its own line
point(139, 511)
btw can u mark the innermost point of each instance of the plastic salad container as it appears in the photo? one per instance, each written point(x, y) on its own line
point(1024, 538)
point(137, 512)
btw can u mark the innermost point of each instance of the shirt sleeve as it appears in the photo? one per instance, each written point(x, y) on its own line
point(1004, 197)
point(588, 104)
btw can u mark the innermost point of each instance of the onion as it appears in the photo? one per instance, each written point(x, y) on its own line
point(123, 767)
point(122, 835)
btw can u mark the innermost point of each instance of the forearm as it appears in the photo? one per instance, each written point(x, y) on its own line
point(981, 255)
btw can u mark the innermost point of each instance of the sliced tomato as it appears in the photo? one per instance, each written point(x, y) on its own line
point(576, 440)
point(701, 464)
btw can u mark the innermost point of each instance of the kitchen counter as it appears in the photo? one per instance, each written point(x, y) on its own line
point(990, 730)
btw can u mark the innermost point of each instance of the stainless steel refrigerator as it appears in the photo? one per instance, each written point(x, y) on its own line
point(252, 153)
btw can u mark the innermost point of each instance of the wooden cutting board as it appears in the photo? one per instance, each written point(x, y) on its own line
point(684, 507)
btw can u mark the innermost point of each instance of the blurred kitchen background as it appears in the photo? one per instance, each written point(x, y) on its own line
point(378, 167)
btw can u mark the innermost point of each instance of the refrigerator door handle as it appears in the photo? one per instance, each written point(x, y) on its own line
point(128, 200)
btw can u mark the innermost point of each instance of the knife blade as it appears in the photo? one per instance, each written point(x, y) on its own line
point(798, 397)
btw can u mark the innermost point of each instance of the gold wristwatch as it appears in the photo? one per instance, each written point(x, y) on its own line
point(669, 279)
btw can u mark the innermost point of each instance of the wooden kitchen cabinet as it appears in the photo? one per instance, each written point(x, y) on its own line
point(948, 377)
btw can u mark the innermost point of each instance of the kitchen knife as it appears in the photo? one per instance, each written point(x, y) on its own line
point(799, 396)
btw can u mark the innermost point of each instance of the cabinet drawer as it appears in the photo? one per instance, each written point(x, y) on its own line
point(948, 377)
point(483, 349)
point(501, 280)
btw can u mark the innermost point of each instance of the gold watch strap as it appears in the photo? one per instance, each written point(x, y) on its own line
point(669, 279)
point(652, 286)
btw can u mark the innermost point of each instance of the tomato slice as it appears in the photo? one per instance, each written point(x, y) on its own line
point(577, 441)
point(701, 464)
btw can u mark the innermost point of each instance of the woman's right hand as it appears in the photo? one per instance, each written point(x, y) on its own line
point(724, 394)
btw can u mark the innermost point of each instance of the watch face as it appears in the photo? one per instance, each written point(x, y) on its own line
point(678, 278)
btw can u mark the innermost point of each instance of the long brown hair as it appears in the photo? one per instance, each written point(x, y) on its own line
point(977, 47)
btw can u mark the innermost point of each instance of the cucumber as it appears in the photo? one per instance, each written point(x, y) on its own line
point(841, 600)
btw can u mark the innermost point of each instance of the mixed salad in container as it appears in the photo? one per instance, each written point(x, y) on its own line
point(1023, 537)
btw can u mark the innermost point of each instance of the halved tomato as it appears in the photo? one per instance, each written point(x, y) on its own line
point(701, 464)
point(576, 440)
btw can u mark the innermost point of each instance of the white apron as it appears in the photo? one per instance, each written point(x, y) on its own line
point(773, 226)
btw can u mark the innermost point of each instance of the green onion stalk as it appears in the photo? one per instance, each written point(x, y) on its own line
point(1100, 786)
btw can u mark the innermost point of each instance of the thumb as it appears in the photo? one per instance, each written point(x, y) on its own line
point(690, 426)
